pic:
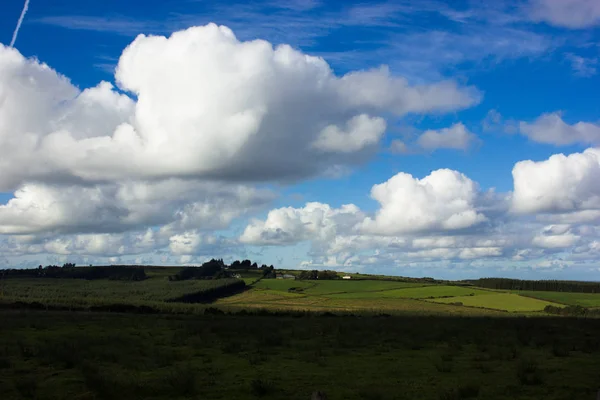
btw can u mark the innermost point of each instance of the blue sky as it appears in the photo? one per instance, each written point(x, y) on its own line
point(529, 68)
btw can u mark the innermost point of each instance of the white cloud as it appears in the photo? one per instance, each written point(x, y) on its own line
point(398, 147)
point(361, 131)
point(551, 129)
point(584, 67)
point(575, 14)
point(194, 242)
point(208, 106)
point(456, 137)
point(39, 208)
point(443, 200)
point(555, 241)
point(315, 221)
point(560, 184)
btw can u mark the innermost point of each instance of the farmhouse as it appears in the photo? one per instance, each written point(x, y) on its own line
point(346, 277)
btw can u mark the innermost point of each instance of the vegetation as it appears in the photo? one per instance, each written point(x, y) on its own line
point(155, 292)
point(217, 269)
point(73, 355)
point(421, 292)
point(321, 275)
point(572, 311)
point(499, 301)
point(70, 271)
point(552, 286)
point(252, 337)
point(572, 299)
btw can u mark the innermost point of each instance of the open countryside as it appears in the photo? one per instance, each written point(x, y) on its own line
point(85, 332)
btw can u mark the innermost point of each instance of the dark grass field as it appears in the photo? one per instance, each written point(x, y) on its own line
point(85, 355)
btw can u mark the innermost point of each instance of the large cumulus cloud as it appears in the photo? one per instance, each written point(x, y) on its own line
point(561, 184)
point(446, 218)
point(207, 106)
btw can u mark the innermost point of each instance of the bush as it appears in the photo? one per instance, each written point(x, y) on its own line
point(528, 373)
point(467, 391)
point(560, 350)
point(443, 366)
point(260, 387)
point(182, 380)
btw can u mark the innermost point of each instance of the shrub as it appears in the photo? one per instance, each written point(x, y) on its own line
point(443, 366)
point(370, 394)
point(26, 386)
point(528, 373)
point(182, 380)
point(260, 387)
point(467, 391)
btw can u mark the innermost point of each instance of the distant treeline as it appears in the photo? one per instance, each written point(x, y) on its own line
point(552, 286)
point(207, 295)
point(70, 271)
point(320, 275)
point(217, 269)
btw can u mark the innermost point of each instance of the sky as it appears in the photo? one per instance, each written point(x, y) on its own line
point(452, 139)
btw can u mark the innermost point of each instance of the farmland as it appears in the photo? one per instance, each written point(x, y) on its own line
point(363, 338)
point(372, 295)
point(153, 292)
point(499, 301)
point(573, 299)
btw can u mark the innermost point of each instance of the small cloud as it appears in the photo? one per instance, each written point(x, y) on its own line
point(398, 147)
point(573, 14)
point(583, 67)
point(456, 137)
point(495, 122)
point(551, 129)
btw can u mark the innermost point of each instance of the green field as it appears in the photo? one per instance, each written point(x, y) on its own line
point(499, 301)
point(353, 339)
point(572, 299)
point(81, 293)
point(423, 292)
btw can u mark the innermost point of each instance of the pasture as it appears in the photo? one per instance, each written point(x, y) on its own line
point(154, 292)
point(353, 339)
point(499, 301)
point(590, 300)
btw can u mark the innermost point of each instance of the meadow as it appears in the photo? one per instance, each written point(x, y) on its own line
point(389, 296)
point(591, 300)
point(499, 301)
point(156, 292)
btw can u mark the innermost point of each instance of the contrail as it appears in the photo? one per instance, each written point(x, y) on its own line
point(14, 38)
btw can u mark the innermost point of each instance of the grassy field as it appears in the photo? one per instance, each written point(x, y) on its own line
point(277, 300)
point(499, 301)
point(573, 299)
point(80, 293)
point(61, 355)
point(422, 292)
point(326, 295)
point(333, 287)
point(356, 339)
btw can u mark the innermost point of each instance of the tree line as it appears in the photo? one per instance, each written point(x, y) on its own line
point(542, 285)
point(70, 271)
point(217, 269)
point(316, 274)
